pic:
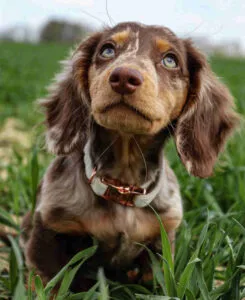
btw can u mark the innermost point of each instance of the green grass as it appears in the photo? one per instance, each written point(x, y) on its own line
point(209, 261)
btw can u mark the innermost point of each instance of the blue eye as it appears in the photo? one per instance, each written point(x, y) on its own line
point(170, 61)
point(107, 51)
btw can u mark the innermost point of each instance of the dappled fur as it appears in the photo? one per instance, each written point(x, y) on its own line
point(198, 113)
point(67, 107)
point(207, 118)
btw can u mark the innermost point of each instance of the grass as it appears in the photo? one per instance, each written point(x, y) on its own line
point(209, 261)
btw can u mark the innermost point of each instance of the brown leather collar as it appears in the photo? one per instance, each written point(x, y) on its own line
point(117, 191)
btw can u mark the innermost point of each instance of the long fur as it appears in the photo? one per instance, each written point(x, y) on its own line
point(191, 105)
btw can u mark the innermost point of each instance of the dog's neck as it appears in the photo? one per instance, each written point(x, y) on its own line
point(134, 159)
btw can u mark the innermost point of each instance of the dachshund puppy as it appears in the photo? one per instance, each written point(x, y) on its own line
point(122, 93)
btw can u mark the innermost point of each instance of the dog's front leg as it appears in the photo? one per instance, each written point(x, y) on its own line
point(43, 250)
point(48, 250)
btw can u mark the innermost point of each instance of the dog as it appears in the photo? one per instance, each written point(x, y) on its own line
point(121, 95)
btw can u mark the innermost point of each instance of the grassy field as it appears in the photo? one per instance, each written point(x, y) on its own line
point(209, 262)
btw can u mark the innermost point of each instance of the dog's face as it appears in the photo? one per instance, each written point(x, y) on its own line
point(141, 79)
point(138, 79)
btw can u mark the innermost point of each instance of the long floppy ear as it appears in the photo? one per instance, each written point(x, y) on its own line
point(207, 118)
point(67, 105)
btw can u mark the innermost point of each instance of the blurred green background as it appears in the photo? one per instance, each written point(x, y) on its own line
point(214, 222)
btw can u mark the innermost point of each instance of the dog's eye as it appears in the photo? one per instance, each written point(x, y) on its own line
point(170, 61)
point(107, 51)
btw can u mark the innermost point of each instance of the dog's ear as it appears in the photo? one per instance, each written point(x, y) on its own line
point(68, 102)
point(207, 118)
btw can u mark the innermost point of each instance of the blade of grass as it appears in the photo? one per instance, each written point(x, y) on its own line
point(123, 289)
point(235, 293)
point(240, 225)
point(20, 291)
point(148, 297)
point(182, 250)
point(39, 288)
point(67, 279)
point(137, 287)
point(17, 253)
point(19, 288)
point(89, 295)
point(6, 219)
point(189, 294)
point(13, 271)
point(201, 283)
point(103, 287)
point(34, 177)
point(157, 270)
point(168, 265)
point(186, 275)
point(30, 280)
point(223, 289)
point(202, 237)
point(82, 254)
point(166, 248)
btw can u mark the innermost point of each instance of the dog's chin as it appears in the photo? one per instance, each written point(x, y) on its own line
point(126, 120)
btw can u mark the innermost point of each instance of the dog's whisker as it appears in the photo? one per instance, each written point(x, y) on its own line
point(194, 29)
point(108, 15)
point(75, 111)
point(106, 149)
point(84, 121)
point(91, 126)
point(94, 17)
point(172, 127)
point(142, 155)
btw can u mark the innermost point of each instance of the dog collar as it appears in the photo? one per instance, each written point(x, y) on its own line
point(114, 190)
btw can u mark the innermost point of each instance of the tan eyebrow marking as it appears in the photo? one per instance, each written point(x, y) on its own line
point(162, 45)
point(121, 37)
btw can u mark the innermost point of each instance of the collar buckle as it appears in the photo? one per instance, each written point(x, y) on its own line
point(123, 189)
point(118, 192)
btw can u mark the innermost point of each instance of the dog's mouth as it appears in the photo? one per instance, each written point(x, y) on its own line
point(125, 117)
point(123, 104)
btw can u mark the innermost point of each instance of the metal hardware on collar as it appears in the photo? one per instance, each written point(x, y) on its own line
point(123, 189)
point(113, 195)
point(118, 192)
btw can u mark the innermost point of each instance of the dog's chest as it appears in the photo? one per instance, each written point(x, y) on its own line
point(121, 229)
point(137, 224)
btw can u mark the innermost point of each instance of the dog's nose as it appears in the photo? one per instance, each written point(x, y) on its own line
point(125, 80)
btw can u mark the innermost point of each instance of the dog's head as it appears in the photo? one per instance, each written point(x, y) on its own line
point(139, 79)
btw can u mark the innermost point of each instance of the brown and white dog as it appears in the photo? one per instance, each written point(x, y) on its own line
point(121, 94)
